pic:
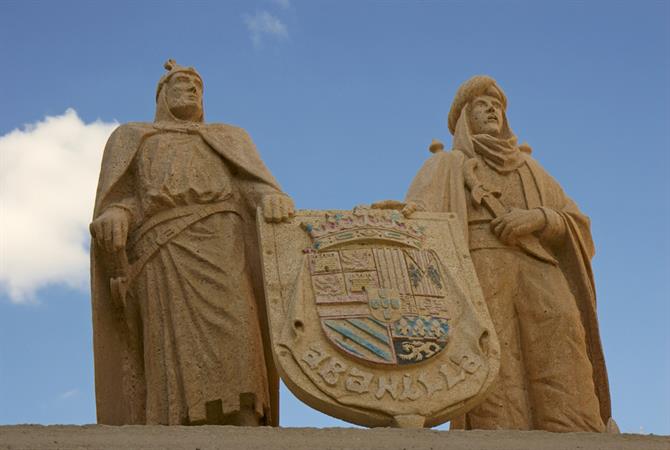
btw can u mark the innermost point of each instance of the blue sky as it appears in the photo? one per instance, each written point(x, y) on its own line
point(342, 99)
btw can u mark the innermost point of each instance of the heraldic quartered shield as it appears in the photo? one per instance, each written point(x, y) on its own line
point(377, 319)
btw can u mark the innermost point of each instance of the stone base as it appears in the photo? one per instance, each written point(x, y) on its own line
point(224, 437)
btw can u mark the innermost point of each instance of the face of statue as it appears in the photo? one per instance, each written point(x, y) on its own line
point(486, 115)
point(184, 96)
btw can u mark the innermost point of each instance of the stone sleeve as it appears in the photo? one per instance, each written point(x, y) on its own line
point(130, 206)
point(254, 190)
point(554, 227)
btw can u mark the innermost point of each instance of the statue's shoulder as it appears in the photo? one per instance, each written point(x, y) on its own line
point(130, 130)
point(452, 156)
point(539, 172)
point(231, 134)
point(136, 126)
point(532, 162)
point(441, 162)
point(225, 128)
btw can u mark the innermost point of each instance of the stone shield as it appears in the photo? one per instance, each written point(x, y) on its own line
point(376, 319)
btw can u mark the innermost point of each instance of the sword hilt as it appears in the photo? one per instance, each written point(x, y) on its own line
point(489, 198)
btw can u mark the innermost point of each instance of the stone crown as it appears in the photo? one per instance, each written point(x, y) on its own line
point(363, 225)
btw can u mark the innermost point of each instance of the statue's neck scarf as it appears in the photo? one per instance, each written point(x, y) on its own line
point(499, 153)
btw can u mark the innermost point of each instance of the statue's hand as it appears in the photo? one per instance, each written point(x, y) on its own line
point(278, 208)
point(407, 208)
point(516, 223)
point(388, 204)
point(110, 229)
point(410, 208)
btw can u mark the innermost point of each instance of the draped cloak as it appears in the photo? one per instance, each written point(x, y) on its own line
point(440, 186)
point(118, 379)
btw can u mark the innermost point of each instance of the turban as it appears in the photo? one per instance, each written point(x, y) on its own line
point(474, 87)
point(500, 152)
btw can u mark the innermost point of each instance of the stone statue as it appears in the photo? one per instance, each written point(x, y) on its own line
point(179, 317)
point(531, 248)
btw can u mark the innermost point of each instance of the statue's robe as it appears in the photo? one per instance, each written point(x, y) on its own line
point(192, 344)
point(440, 186)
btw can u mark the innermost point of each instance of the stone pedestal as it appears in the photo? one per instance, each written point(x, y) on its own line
point(241, 438)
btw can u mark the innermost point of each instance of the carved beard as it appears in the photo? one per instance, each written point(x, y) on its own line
point(184, 109)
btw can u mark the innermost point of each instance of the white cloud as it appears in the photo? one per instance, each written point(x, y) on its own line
point(285, 4)
point(67, 394)
point(48, 176)
point(265, 24)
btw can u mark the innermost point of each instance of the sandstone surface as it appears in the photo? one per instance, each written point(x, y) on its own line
point(33, 437)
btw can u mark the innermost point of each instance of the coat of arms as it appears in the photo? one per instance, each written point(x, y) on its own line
point(377, 319)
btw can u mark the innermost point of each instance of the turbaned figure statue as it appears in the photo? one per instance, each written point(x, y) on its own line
point(179, 321)
point(531, 248)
